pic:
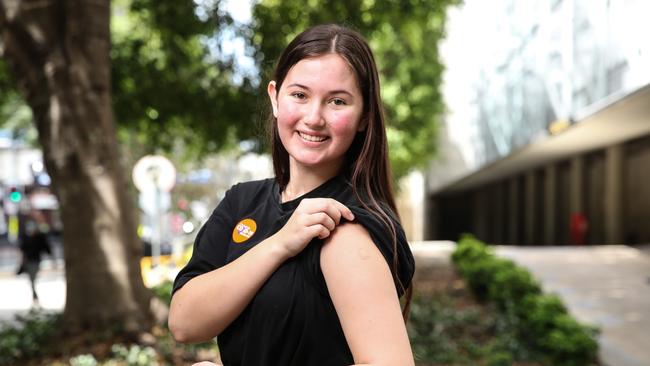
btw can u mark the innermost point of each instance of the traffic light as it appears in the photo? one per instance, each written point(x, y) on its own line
point(15, 195)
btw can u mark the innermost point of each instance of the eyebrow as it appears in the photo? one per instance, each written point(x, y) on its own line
point(338, 91)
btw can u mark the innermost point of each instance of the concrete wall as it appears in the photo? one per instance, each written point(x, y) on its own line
point(636, 192)
point(610, 187)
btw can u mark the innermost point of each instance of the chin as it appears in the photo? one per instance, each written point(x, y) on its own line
point(314, 162)
point(310, 163)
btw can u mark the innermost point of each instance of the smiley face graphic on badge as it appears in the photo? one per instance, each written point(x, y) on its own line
point(244, 230)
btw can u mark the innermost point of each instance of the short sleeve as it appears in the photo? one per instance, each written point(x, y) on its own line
point(211, 243)
point(404, 266)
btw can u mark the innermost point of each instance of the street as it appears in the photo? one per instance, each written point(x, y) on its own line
point(16, 292)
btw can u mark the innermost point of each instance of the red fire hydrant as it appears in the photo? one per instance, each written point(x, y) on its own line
point(578, 229)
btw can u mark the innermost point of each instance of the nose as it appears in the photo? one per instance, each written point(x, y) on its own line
point(314, 115)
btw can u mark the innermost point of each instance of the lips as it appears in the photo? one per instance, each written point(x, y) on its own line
point(312, 138)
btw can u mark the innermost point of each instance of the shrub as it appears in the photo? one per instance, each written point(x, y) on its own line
point(471, 250)
point(537, 313)
point(24, 339)
point(134, 355)
point(569, 342)
point(166, 344)
point(163, 291)
point(541, 320)
point(442, 334)
point(510, 283)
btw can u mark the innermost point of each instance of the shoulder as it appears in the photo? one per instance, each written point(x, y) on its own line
point(349, 247)
point(354, 269)
point(242, 195)
point(252, 187)
point(375, 226)
point(352, 233)
point(369, 233)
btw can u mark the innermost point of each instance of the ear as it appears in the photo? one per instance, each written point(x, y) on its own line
point(273, 96)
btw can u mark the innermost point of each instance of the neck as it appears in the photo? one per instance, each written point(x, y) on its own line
point(304, 179)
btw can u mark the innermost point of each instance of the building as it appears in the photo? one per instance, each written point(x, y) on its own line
point(548, 129)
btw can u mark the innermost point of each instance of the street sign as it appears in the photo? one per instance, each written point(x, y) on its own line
point(154, 172)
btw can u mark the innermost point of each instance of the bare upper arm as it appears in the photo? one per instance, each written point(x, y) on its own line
point(361, 286)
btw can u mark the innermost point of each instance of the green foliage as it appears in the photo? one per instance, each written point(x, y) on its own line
point(7, 85)
point(83, 360)
point(404, 36)
point(163, 291)
point(32, 338)
point(170, 93)
point(497, 279)
point(175, 90)
point(166, 343)
point(441, 332)
point(511, 283)
point(539, 319)
point(474, 263)
point(15, 115)
point(572, 343)
point(546, 316)
point(471, 250)
point(438, 332)
point(25, 338)
point(134, 355)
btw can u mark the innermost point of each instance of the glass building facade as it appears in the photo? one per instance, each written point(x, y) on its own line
point(515, 67)
point(547, 124)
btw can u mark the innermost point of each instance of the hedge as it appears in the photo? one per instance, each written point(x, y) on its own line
point(541, 320)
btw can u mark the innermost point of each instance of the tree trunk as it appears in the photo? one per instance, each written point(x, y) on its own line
point(59, 53)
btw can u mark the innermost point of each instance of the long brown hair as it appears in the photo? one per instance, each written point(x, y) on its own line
point(367, 166)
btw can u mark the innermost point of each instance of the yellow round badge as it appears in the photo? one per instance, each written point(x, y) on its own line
point(244, 230)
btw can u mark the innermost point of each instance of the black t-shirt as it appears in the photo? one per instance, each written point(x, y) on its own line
point(291, 320)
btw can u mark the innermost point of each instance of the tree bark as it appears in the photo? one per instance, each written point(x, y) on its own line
point(58, 51)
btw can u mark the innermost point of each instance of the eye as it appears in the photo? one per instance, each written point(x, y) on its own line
point(338, 101)
point(298, 95)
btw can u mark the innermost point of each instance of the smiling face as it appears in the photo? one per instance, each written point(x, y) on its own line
point(318, 110)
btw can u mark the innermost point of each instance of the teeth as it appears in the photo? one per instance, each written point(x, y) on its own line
point(312, 138)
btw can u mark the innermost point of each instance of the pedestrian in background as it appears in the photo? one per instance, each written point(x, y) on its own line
point(32, 244)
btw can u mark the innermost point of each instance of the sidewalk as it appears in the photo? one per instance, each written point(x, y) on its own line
point(16, 290)
point(607, 286)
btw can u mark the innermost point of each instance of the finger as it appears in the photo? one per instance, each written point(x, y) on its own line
point(319, 218)
point(332, 207)
point(317, 231)
point(343, 209)
point(326, 206)
point(322, 231)
point(323, 219)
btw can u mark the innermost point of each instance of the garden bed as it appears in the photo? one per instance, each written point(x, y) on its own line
point(449, 327)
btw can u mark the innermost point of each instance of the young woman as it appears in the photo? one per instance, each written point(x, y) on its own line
point(307, 268)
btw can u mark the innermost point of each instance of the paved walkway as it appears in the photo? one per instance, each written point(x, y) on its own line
point(608, 286)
